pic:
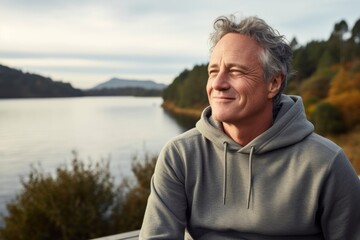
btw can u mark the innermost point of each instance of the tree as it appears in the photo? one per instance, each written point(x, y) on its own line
point(349, 105)
point(193, 89)
point(327, 119)
point(317, 86)
point(346, 80)
point(294, 43)
point(344, 93)
point(302, 63)
point(337, 41)
point(16, 84)
point(188, 89)
point(355, 40)
point(355, 32)
point(340, 29)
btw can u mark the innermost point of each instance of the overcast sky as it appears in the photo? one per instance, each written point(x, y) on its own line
point(86, 42)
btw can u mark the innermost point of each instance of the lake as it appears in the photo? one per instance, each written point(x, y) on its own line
point(46, 131)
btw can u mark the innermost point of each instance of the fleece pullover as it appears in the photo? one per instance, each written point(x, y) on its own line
point(288, 183)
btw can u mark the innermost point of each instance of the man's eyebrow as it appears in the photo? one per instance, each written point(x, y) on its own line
point(230, 65)
point(238, 66)
point(213, 67)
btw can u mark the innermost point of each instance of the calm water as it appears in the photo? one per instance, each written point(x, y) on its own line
point(46, 131)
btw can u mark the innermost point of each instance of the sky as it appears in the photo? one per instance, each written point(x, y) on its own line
point(87, 42)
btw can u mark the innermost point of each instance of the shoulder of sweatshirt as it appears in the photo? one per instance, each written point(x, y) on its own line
point(323, 141)
point(185, 144)
point(329, 153)
point(321, 146)
point(185, 137)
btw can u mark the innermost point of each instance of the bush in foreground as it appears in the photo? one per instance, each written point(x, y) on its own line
point(80, 202)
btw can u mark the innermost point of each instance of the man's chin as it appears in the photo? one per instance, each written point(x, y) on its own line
point(218, 117)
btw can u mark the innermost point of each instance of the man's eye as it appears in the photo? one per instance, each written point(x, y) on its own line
point(213, 73)
point(236, 72)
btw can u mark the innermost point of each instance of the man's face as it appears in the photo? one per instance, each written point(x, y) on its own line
point(236, 90)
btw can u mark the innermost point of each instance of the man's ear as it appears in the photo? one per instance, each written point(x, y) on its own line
point(275, 85)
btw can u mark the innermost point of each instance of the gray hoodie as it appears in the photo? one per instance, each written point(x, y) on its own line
point(288, 183)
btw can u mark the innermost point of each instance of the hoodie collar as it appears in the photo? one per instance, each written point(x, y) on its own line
point(290, 126)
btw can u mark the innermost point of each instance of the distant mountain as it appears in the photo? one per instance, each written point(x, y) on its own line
point(17, 84)
point(125, 83)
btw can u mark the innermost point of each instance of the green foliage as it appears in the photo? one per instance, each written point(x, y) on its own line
point(171, 93)
point(340, 29)
point(317, 86)
point(188, 89)
point(319, 54)
point(327, 119)
point(193, 90)
point(327, 59)
point(16, 84)
point(305, 59)
point(355, 32)
point(73, 205)
point(135, 200)
point(82, 202)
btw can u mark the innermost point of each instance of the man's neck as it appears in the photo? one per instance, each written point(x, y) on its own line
point(245, 132)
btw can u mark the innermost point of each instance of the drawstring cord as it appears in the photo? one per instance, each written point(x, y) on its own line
point(250, 176)
point(225, 172)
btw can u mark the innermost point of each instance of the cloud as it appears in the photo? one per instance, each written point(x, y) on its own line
point(160, 37)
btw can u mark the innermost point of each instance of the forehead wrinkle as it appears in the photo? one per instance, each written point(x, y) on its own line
point(230, 55)
point(215, 64)
point(229, 61)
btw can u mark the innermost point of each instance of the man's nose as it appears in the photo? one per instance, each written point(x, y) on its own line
point(220, 82)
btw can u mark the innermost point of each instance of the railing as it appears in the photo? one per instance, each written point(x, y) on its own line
point(134, 235)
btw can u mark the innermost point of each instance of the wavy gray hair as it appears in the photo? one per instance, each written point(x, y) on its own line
point(277, 54)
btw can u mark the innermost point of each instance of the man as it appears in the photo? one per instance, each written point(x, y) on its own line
point(253, 168)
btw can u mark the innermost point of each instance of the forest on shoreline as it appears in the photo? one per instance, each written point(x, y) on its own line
point(15, 83)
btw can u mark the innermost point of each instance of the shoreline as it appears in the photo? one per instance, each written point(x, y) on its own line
point(190, 112)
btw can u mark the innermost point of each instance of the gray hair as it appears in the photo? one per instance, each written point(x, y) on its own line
point(276, 56)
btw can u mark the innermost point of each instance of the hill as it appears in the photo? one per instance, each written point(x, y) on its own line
point(125, 83)
point(17, 84)
point(126, 87)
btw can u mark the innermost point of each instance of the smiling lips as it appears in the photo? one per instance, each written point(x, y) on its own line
point(223, 98)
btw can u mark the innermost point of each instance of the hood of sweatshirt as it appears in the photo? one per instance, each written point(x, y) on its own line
point(290, 126)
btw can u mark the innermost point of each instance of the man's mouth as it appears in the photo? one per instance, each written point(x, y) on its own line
point(223, 99)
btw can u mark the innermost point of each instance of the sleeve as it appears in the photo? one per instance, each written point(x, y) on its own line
point(165, 215)
point(340, 201)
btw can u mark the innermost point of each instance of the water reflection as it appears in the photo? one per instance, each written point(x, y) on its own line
point(184, 121)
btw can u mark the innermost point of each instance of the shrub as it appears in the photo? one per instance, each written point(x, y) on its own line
point(131, 214)
point(82, 202)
